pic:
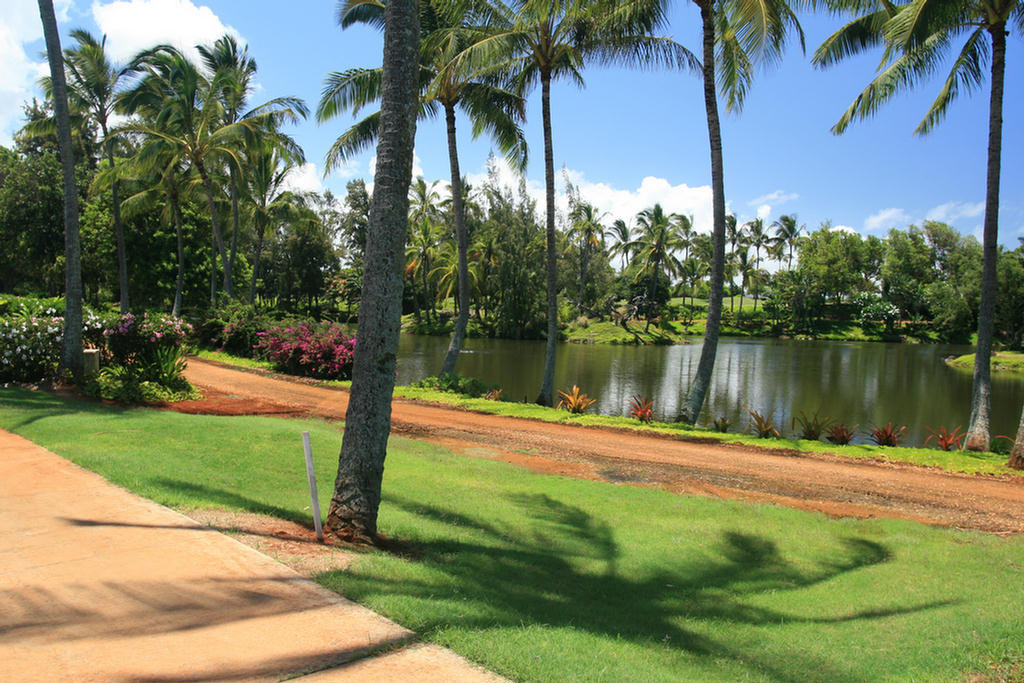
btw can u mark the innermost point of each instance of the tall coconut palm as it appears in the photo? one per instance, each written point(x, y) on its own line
point(655, 249)
point(541, 41)
point(586, 230)
point(788, 233)
point(684, 228)
point(421, 253)
point(758, 238)
point(269, 202)
point(92, 82)
point(734, 235)
point(621, 232)
point(71, 347)
point(233, 69)
point(449, 29)
point(357, 488)
point(917, 37)
point(180, 110)
point(736, 36)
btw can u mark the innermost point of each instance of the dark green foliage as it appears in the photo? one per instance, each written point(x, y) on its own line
point(457, 384)
point(118, 383)
point(721, 424)
point(233, 328)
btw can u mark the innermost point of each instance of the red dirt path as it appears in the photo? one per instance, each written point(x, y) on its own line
point(822, 483)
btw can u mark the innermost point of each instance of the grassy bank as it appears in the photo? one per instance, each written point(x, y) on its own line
point(952, 461)
point(553, 580)
point(1002, 361)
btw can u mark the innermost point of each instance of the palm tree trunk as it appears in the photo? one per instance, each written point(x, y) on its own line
point(260, 231)
point(215, 221)
point(699, 387)
point(71, 349)
point(462, 243)
point(179, 284)
point(115, 209)
point(981, 399)
point(353, 510)
point(1017, 454)
point(547, 386)
point(213, 269)
point(229, 281)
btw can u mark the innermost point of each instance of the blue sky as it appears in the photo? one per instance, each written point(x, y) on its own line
point(629, 138)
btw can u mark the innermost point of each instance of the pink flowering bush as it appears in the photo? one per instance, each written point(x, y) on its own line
point(324, 351)
point(134, 340)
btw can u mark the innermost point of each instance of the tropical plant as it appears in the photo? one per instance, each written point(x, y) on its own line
point(917, 37)
point(945, 440)
point(493, 394)
point(71, 359)
point(541, 41)
point(586, 230)
point(736, 37)
point(352, 514)
point(787, 234)
point(623, 238)
point(654, 249)
point(721, 424)
point(889, 435)
point(575, 401)
point(811, 427)
point(642, 408)
point(841, 433)
point(761, 425)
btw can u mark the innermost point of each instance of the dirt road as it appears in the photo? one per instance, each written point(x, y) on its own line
point(822, 483)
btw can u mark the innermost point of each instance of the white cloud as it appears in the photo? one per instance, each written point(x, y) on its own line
point(886, 219)
point(134, 25)
point(842, 228)
point(764, 211)
point(304, 178)
point(618, 203)
point(951, 211)
point(776, 198)
point(20, 27)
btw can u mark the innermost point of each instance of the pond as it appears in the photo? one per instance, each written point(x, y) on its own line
point(857, 382)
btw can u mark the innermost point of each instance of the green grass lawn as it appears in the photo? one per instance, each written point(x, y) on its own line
point(553, 580)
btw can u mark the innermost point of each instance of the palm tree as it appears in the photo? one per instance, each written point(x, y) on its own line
point(745, 269)
point(181, 111)
point(734, 235)
point(233, 69)
point(787, 232)
point(693, 271)
point(92, 82)
point(684, 228)
point(758, 238)
point(620, 231)
point(71, 348)
point(544, 40)
point(587, 230)
point(744, 34)
point(269, 203)
point(447, 80)
point(356, 499)
point(654, 249)
point(917, 37)
point(421, 252)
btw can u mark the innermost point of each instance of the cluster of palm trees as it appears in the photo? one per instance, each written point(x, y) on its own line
point(187, 132)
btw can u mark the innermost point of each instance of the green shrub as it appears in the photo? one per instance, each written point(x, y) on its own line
point(456, 384)
point(234, 328)
point(119, 383)
point(30, 346)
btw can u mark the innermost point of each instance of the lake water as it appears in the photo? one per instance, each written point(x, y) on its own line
point(858, 383)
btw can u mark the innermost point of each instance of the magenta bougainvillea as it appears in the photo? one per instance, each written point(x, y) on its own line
point(324, 351)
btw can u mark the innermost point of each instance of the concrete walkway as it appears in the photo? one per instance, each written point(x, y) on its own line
point(97, 584)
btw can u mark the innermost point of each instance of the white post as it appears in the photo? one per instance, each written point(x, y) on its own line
point(311, 475)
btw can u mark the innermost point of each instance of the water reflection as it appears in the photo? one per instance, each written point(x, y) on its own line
point(859, 383)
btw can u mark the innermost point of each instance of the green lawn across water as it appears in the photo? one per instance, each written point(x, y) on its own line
point(553, 580)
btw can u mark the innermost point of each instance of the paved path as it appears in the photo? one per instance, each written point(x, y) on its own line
point(97, 585)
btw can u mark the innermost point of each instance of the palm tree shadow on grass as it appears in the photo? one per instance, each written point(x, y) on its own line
point(533, 574)
point(41, 405)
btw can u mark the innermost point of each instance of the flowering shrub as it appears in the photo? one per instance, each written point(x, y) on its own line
point(133, 340)
point(234, 328)
point(322, 351)
point(30, 346)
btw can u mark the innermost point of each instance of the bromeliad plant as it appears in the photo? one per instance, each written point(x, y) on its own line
point(888, 435)
point(762, 426)
point(811, 427)
point(841, 433)
point(945, 440)
point(575, 401)
point(642, 409)
point(721, 424)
